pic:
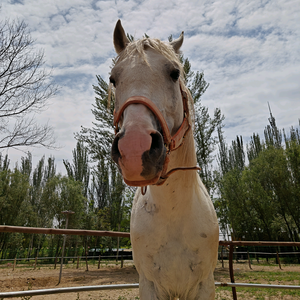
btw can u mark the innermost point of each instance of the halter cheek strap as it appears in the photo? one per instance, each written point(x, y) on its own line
point(171, 142)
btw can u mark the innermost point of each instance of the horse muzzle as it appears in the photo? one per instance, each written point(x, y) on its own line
point(140, 155)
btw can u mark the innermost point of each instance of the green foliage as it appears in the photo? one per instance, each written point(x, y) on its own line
point(259, 201)
point(79, 170)
point(64, 193)
point(14, 192)
point(36, 198)
point(99, 138)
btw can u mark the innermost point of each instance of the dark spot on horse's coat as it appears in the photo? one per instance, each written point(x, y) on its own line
point(203, 235)
point(192, 267)
point(150, 208)
point(161, 246)
point(155, 267)
point(173, 207)
point(173, 191)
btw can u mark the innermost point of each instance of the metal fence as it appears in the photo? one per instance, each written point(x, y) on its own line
point(230, 244)
point(125, 286)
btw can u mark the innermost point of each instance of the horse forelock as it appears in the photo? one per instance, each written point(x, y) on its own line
point(138, 47)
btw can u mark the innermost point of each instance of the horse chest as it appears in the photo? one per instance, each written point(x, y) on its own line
point(171, 248)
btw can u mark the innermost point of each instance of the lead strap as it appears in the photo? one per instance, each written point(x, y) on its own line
point(144, 189)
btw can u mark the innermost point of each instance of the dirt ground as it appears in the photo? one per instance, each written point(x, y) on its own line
point(47, 277)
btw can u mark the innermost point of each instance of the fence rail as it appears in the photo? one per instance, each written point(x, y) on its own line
point(128, 256)
point(127, 286)
point(68, 290)
point(4, 228)
point(65, 257)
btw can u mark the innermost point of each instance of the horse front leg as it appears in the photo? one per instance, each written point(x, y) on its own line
point(147, 289)
point(206, 290)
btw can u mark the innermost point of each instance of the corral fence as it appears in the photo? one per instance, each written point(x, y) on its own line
point(78, 260)
point(230, 245)
point(271, 256)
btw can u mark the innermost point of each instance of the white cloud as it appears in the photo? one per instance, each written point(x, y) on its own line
point(249, 51)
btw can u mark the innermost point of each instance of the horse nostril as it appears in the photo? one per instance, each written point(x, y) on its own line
point(156, 145)
point(115, 153)
point(153, 160)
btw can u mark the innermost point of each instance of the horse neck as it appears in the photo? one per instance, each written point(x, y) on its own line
point(181, 183)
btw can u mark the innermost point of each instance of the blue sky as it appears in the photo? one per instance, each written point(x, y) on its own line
point(249, 52)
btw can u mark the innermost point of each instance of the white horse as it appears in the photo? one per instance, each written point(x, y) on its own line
point(174, 229)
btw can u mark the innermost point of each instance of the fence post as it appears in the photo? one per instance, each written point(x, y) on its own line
point(231, 248)
point(77, 262)
point(222, 257)
point(55, 262)
point(66, 212)
point(77, 266)
point(278, 260)
point(99, 261)
point(122, 260)
point(118, 244)
point(87, 266)
point(249, 261)
point(35, 263)
point(256, 256)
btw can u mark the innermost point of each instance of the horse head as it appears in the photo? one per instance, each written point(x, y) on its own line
point(149, 106)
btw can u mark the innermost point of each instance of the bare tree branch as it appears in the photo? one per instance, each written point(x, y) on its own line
point(27, 133)
point(25, 87)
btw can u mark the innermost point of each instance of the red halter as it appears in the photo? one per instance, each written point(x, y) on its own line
point(171, 142)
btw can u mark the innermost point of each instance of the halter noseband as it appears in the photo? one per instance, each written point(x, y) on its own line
point(171, 142)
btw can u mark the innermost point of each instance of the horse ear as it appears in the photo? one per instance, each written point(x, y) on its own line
point(120, 38)
point(176, 44)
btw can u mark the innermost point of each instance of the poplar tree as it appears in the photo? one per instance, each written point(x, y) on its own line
point(79, 170)
point(258, 186)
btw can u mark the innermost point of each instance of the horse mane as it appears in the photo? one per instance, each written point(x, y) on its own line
point(139, 46)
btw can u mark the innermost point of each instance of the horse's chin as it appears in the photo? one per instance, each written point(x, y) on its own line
point(143, 182)
point(140, 175)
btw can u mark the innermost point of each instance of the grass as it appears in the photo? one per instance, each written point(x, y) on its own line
point(269, 277)
point(260, 275)
point(258, 294)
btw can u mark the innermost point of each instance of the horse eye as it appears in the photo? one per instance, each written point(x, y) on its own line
point(175, 74)
point(111, 80)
